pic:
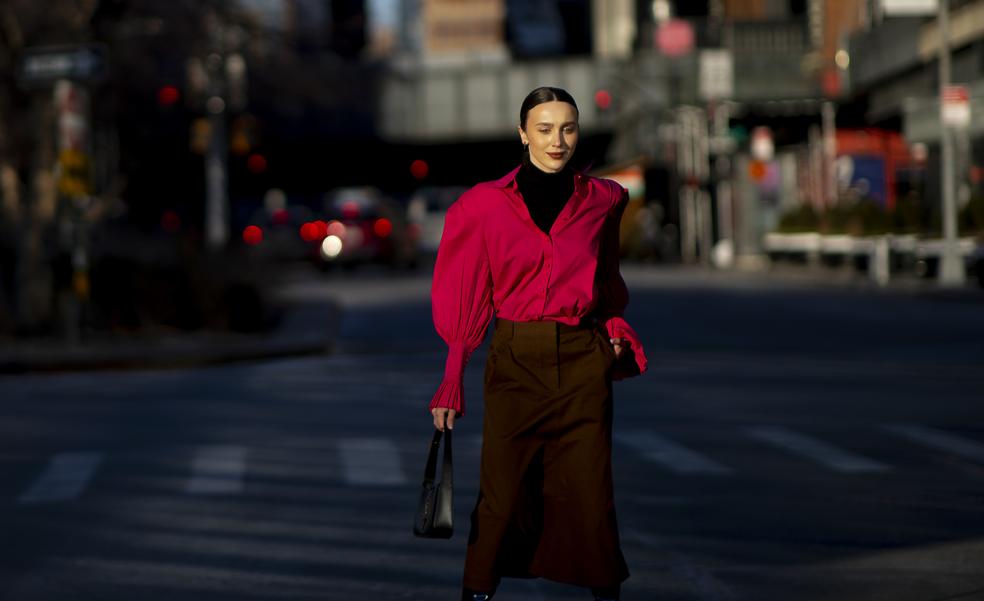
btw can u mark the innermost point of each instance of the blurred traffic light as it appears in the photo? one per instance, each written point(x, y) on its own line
point(256, 163)
point(603, 99)
point(168, 96)
point(75, 173)
point(200, 135)
point(419, 169)
point(244, 134)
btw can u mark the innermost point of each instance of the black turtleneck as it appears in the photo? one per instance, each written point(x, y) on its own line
point(545, 194)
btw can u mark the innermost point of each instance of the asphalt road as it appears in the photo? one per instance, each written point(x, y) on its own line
point(792, 441)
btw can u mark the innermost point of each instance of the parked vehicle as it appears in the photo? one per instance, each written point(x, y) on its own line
point(274, 233)
point(426, 210)
point(362, 225)
point(977, 263)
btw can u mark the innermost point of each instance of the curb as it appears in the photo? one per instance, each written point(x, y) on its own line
point(305, 329)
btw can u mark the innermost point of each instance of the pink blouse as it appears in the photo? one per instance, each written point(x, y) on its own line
point(493, 259)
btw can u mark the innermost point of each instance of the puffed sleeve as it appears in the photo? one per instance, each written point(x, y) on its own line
point(461, 297)
point(614, 296)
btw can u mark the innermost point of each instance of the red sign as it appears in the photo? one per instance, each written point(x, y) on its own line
point(675, 37)
point(956, 94)
point(955, 106)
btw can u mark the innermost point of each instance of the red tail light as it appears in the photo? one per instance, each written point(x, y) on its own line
point(309, 232)
point(252, 235)
point(383, 227)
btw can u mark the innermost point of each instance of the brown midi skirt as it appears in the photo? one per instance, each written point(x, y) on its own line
point(546, 506)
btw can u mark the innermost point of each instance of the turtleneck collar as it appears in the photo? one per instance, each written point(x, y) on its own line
point(545, 194)
point(534, 174)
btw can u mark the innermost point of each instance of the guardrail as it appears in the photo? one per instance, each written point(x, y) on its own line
point(877, 253)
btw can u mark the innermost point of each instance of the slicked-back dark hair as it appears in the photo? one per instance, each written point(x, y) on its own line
point(541, 95)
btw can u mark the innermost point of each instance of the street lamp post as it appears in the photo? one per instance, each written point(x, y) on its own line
point(221, 80)
point(951, 269)
point(216, 168)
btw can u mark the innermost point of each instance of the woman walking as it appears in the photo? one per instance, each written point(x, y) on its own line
point(538, 250)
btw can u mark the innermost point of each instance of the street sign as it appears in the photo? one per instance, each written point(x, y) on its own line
point(955, 106)
point(43, 65)
point(717, 74)
point(675, 37)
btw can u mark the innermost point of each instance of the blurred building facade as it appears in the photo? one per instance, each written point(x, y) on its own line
point(894, 69)
point(721, 116)
point(678, 86)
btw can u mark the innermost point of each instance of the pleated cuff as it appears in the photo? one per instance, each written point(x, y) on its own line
point(450, 394)
point(619, 328)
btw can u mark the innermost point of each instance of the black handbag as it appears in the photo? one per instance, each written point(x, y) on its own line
point(435, 515)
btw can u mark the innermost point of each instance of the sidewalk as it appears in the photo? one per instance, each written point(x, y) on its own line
point(306, 328)
point(794, 277)
point(848, 278)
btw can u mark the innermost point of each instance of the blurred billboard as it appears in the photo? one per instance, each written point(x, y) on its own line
point(455, 27)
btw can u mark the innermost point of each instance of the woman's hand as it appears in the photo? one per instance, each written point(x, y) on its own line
point(443, 415)
point(619, 344)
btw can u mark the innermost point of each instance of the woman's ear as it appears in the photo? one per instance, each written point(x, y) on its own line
point(522, 135)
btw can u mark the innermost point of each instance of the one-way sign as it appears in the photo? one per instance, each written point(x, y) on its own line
point(42, 65)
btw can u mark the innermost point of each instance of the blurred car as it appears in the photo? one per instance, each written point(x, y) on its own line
point(426, 210)
point(977, 262)
point(362, 225)
point(273, 231)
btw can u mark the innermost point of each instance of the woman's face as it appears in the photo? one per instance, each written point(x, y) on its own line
point(551, 133)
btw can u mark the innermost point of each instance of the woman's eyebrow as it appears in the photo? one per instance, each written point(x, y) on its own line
point(550, 123)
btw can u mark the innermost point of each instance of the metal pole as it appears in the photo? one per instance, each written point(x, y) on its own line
point(951, 270)
point(216, 170)
point(216, 227)
point(829, 125)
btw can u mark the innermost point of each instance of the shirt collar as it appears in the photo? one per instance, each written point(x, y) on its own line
point(509, 180)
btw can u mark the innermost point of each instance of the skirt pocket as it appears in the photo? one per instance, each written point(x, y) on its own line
point(606, 346)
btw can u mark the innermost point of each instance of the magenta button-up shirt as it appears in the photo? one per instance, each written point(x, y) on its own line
point(493, 259)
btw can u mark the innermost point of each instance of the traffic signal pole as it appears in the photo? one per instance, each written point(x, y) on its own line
point(216, 177)
point(951, 268)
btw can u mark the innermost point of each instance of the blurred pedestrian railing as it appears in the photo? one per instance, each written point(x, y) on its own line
point(880, 256)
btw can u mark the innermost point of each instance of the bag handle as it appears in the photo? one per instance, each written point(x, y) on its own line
point(447, 473)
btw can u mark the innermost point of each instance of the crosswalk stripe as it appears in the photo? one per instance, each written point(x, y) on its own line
point(217, 470)
point(64, 478)
point(371, 462)
point(937, 439)
point(821, 452)
point(670, 454)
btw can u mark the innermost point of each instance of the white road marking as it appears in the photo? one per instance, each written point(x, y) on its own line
point(64, 478)
point(371, 462)
point(938, 439)
point(670, 454)
point(837, 459)
point(217, 470)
